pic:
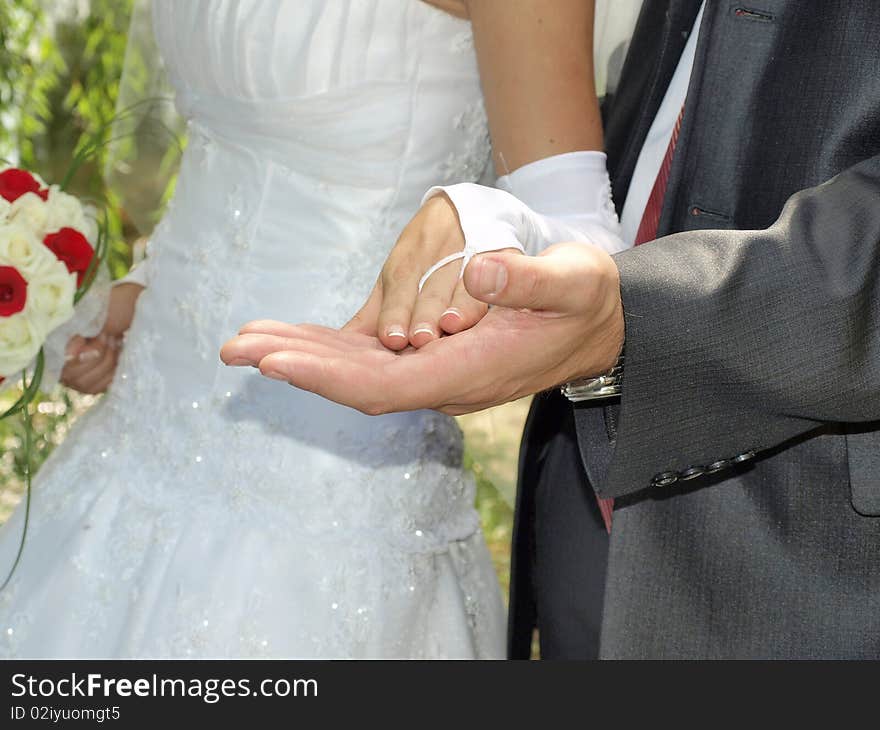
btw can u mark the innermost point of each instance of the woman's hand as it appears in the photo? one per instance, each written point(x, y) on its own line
point(396, 312)
point(91, 363)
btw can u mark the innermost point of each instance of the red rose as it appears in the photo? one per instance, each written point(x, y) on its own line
point(71, 247)
point(14, 183)
point(13, 291)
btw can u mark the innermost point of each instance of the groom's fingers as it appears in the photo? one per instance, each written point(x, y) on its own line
point(361, 380)
point(253, 347)
point(310, 332)
point(268, 327)
point(340, 379)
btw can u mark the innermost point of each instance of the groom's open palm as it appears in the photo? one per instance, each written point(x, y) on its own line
point(557, 317)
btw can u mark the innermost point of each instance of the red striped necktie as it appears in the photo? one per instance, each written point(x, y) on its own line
point(648, 232)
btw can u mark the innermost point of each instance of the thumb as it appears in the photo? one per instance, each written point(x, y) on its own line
point(515, 281)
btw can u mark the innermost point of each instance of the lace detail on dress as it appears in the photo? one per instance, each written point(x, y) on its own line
point(468, 163)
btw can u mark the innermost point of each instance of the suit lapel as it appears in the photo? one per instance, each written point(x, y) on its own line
point(658, 40)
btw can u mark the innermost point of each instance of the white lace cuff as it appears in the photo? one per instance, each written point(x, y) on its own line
point(561, 198)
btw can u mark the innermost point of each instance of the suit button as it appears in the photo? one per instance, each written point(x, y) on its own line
point(692, 473)
point(717, 466)
point(665, 479)
point(744, 456)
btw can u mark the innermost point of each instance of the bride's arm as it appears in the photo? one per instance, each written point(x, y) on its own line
point(536, 67)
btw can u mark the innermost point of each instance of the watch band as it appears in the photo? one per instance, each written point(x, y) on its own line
point(603, 386)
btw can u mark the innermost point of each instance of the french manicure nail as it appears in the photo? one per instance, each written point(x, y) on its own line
point(453, 312)
point(89, 355)
point(238, 362)
point(274, 374)
point(395, 331)
point(423, 328)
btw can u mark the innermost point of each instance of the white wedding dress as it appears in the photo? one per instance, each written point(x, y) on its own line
point(204, 511)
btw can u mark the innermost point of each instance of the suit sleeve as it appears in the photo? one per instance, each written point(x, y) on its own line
point(737, 341)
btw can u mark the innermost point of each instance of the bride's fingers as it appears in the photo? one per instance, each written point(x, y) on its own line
point(400, 287)
point(367, 318)
point(101, 385)
point(432, 301)
point(100, 372)
point(463, 312)
point(83, 362)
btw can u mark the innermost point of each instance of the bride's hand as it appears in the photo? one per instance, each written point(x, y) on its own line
point(91, 363)
point(396, 312)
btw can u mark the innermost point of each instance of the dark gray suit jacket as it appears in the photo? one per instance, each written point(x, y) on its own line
point(754, 329)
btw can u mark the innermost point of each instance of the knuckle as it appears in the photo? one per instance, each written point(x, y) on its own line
point(397, 274)
point(531, 286)
point(433, 298)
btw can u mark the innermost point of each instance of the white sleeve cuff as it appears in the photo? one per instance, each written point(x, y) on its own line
point(562, 198)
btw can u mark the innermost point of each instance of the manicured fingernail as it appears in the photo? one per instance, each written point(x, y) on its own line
point(274, 374)
point(395, 331)
point(88, 355)
point(239, 362)
point(423, 329)
point(452, 311)
point(493, 277)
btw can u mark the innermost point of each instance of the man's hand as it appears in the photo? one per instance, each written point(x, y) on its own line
point(396, 312)
point(556, 317)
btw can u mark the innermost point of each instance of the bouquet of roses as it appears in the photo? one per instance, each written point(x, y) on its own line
point(50, 251)
point(48, 260)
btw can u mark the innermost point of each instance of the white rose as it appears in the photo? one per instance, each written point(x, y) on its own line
point(50, 296)
point(20, 341)
point(90, 231)
point(19, 247)
point(65, 211)
point(31, 211)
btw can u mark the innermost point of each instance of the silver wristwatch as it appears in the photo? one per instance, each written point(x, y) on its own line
point(603, 386)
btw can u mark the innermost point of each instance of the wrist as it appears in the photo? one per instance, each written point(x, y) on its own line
point(603, 376)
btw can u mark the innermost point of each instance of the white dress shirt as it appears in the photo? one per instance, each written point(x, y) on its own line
point(654, 148)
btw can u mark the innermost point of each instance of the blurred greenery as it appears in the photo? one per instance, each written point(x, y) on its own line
point(60, 67)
